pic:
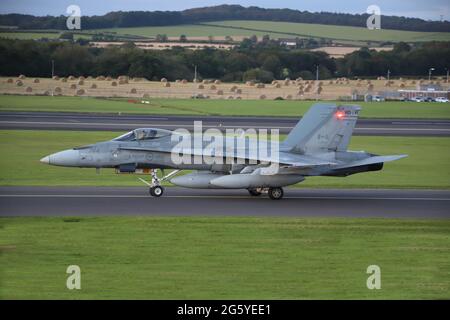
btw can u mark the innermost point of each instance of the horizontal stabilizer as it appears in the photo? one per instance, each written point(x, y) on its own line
point(371, 160)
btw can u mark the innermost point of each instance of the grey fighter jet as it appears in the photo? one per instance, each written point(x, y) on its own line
point(316, 146)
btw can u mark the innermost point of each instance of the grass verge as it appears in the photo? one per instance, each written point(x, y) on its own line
point(223, 258)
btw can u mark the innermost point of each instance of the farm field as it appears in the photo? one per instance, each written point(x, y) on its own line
point(413, 110)
point(425, 167)
point(282, 30)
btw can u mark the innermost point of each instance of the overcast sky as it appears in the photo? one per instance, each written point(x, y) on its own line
point(425, 9)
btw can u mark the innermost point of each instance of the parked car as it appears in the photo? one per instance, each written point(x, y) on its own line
point(377, 98)
point(418, 99)
point(441, 99)
point(429, 99)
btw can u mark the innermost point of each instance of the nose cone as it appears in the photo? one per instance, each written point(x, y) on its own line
point(66, 158)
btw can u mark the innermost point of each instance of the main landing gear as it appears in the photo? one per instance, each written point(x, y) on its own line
point(275, 193)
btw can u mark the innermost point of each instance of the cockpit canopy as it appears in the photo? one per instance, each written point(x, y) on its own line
point(143, 134)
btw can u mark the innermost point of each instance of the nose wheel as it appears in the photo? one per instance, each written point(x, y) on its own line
point(156, 191)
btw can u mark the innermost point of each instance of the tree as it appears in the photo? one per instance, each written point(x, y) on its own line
point(183, 38)
point(258, 74)
point(66, 36)
point(161, 38)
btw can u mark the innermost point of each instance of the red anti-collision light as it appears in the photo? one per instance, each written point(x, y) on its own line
point(340, 115)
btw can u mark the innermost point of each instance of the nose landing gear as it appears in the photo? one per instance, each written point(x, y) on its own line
point(156, 189)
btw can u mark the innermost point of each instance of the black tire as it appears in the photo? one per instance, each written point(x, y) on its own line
point(276, 193)
point(254, 192)
point(156, 191)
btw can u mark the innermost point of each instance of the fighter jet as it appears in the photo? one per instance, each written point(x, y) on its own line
point(316, 146)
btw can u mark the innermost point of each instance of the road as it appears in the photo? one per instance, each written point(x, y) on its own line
point(115, 122)
point(100, 201)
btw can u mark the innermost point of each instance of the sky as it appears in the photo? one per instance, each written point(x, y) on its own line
point(428, 10)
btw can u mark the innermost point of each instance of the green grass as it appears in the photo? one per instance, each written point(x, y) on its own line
point(216, 107)
point(223, 258)
point(282, 30)
point(426, 166)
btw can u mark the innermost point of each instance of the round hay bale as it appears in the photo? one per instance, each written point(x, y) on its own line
point(122, 78)
point(205, 81)
point(330, 82)
point(71, 78)
point(262, 97)
point(184, 81)
point(9, 80)
point(387, 84)
point(81, 78)
point(108, 78)
point(114, 84)
point(260, 86)
point(46, 93)
point(19, 83)
point(230, 97)
point(277, 85)
point(217, 82)
point(274, 82)
point(163, 80)
point(55, 78)
point(166, 84)
point(100, 78)
point(36, 80)
point(250, 83)
point(146, 95)
point(238, 91)
point(319, 90)
point(63, 79)
point(289, 97)
point(89, 78)
point(300, 87)
point(300, 92)
point(233, 88)
point(80, 92)
point(370, 87)
point(219, 92)
point(213, 87)
point(57, 90)
point(81, 82)
point(238, 98)
point(29, 89)
point(22, 77)
point(402, 85)
point(133, 90)
point(93, 86)
point(286, 82)
point(200, 86)
point(299, 79)
point(123, 81)
point(177, 81)
point(73, 86)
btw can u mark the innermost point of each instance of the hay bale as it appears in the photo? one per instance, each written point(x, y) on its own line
point(46, 93)
point(146, 95)
point(369, 87)
point(238, 91)
point(217, 82)
point(219, 92)
point(402, 85)
point(9, 80)
point(177, 81)
point(73, 86)
point(81, 82)
point(250, 83)
point(29, 89)
point(89, 78)
point(184, 81)
point(212, 87)
point(93, 86)
point(200, 86)
point(80, 92)
point(122, 78)
point(330, 82)
point(286, 82)
point(22, 77)
point(55, 78)
point(133, 90)
point(238, 98)
point(387, 84)
point(81, 78)
point(262, 97)
point(318, 90)
point(277, 85)
point(123, 81)
point(108, 78)
point(260, 86)
point(233, 88)
point(274, 82)
point(114, 84)
point(71, 78)
point(36, 80)
point(289, 97)
point(230, 97)
point(100, 78)
point(163, 80)
point(57, 90)
point(19, 83)
point(300, 92)
point(205, 81)
point(63, 79)
point(166, 84)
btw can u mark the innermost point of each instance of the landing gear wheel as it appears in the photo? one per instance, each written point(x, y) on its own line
point(254, 192)
point(275, 193)
point(156, 191)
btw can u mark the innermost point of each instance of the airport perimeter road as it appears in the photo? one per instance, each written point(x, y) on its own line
point(100, 201)
point(114, 122)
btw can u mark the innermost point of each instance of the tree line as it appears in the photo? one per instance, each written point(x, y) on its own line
point(260, 61)
point(215, 13)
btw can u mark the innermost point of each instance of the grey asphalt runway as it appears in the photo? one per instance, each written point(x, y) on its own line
point(126, 122)
point(100, 201)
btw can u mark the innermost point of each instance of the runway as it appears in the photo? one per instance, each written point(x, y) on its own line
point(126, 122)
point(129, 201)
